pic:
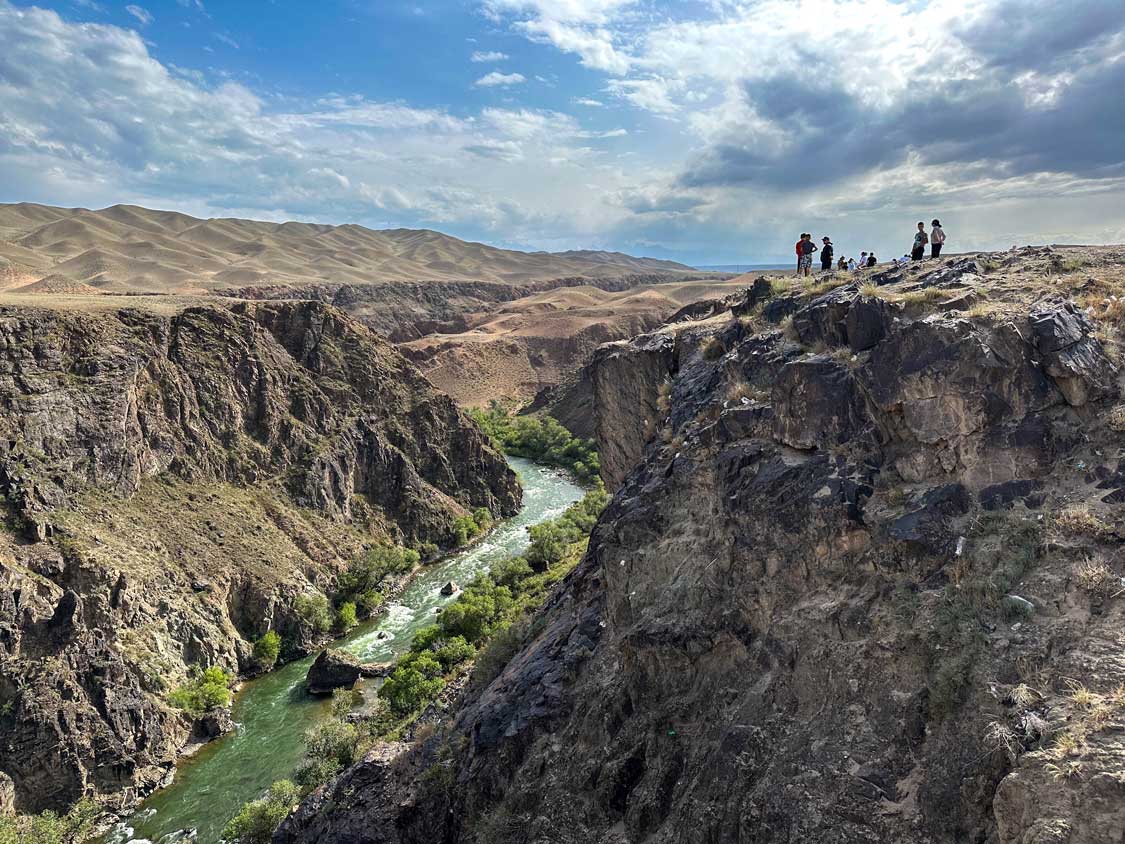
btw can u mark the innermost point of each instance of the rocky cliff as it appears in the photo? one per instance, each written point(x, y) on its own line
point(173, 481)
point(862, 583)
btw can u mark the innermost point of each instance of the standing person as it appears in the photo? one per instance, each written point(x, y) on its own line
point(807, 250)
point(937, 239)
point(920, 241)
point(826, 253)
point(800, 253)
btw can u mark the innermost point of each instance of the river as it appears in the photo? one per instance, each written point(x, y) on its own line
point(273, 711)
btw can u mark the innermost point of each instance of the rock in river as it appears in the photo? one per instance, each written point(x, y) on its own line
point(335, 669)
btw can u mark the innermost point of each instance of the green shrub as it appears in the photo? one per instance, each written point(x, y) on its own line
point(313, 613)
point(74, 827)
point(539, 438)
point(549, 542)
point(464, 529)
point(367, 602)
point(483, 518)
point(407, 689)
point(208, 689)
point(345, 617)
point(454, 651)
point(368, 572)
point(474, 614)
point(256, 821)
point(267, 650)
point(333, 740)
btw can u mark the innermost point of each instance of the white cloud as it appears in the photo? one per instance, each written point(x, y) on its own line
point(226, 39)
point(486, 57)
point(502, 80)
point(573, 26)
point(141, 14)
point(586, 101)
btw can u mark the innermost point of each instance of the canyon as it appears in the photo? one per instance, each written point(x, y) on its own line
point(860, 580)
point(860, 577)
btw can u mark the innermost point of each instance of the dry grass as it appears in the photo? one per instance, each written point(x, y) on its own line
point(871, 289)
point(788, 331)
point(921, 297)
point(714, 349)
point(740, 390)
point(1023, 695)
point(824, 286)
point(1094, 576)
point(1081, 521)
point(664, 398)
point(1116, 419)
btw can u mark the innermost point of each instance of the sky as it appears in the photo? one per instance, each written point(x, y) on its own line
point(707, 131)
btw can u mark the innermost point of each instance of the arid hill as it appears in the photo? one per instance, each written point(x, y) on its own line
point(532, 344)
point(126, 248)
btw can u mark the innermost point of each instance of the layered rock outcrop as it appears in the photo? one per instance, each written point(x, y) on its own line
point(843, 594)
point(174, 483)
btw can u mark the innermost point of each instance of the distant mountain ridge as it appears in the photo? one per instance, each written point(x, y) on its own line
point(130, 249)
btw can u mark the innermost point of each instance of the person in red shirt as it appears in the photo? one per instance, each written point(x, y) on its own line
point(800, 251)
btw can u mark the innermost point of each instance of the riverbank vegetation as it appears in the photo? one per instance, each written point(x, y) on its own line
point(539, 438)
point(208, 689)
point(473, 638)
point(74, 827)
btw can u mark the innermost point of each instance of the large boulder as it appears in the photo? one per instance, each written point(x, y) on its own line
point(1072, 356)
point(335, 669)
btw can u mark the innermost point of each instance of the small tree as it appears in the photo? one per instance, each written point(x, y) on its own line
point(257, 821)
point(345, 617)
point(312, 611)
point(267, 649)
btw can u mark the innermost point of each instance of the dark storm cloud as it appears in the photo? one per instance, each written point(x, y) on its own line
point(1075, 123)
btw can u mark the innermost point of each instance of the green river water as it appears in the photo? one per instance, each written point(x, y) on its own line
point(273, 711)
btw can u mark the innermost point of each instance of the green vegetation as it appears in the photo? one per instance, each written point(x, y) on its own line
point(488, 623)
point(256, 822)
point(313, 613)
point(267, 650)
point(48, 828)
point(208, 689)
point(361, 583)
point(539, 438)
point(346, 617)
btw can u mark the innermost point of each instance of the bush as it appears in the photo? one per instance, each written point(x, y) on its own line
point(267, 650)
point(409, 687)
point(464, 529)
point(48, 828)
point(368, 572)
point(549, 542)
point(345, 617)
point(333, 741)
point(539, 438)
point(367, 602)
point(313, 613)
point(454, 651)
point(483, 518)
point(256, 821)
point(474, 614)
point(208, 689)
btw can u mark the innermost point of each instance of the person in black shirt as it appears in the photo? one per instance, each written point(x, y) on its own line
point(826, 255)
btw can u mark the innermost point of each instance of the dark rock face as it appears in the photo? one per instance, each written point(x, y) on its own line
point(769, 637)
point(1073, 358)
point(294, 411)
point(626, 380)
point(336, 669)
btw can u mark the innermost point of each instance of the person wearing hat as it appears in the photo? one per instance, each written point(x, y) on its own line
point(826, 255)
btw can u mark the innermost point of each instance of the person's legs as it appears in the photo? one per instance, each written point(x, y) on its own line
point(935, 250)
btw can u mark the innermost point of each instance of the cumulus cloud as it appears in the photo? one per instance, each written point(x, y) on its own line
point(574, 26)
point(495, 79)
point(89, 117)
point(486, 57)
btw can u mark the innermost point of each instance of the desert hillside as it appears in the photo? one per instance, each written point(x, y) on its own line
point(126, 248)
point(534, 343)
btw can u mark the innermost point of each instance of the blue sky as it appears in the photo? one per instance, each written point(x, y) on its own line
point(711, 131)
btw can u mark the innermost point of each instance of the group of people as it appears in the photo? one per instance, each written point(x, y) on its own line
point(806, 249)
